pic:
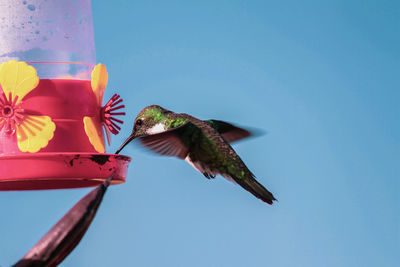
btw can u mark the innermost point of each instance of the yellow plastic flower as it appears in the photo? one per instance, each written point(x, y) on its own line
point(33, 132)
point(104, 118)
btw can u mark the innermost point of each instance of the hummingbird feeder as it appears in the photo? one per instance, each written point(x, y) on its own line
point(52, 117)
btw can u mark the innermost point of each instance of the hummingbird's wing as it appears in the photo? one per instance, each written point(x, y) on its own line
point(167, 143)
point(230, 132)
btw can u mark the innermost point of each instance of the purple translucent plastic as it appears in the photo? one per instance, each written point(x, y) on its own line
point(43, 31)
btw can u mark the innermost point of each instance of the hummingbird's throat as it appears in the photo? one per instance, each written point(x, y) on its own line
point(158, 128)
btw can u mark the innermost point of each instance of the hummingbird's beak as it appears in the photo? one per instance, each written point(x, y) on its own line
point(127, 141)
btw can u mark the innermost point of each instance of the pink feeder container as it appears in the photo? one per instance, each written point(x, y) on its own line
point(52, 117)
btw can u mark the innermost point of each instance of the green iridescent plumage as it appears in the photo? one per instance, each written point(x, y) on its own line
point(203, 144)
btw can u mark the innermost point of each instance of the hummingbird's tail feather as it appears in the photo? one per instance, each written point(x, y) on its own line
point(254, 187)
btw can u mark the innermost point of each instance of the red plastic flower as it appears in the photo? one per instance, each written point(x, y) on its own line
point(11, 113)
point(105, 118)
point(33, 132)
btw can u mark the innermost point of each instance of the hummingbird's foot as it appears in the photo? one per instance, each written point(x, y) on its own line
point(208, 176)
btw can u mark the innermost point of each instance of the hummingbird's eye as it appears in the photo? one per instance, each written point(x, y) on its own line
point(139, 122)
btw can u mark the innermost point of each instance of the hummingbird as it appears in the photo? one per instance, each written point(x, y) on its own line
point(205, 145)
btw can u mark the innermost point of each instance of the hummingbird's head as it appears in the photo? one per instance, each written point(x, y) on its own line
point(149, 121)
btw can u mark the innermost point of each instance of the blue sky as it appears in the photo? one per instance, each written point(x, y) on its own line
point(321, 77)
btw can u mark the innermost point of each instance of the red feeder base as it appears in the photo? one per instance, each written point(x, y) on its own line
point(60, 170)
